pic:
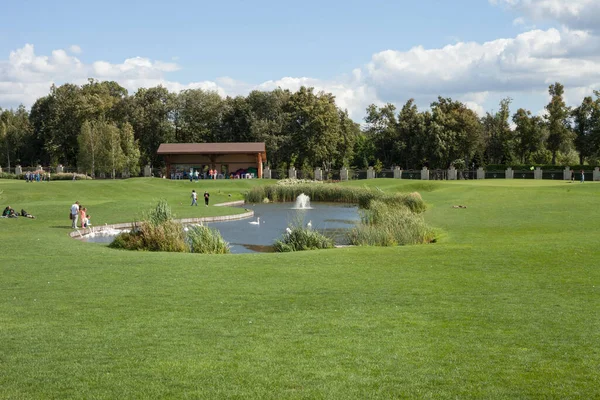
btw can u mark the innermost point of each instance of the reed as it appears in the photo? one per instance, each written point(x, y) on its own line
point(386, 224)
point(334, 193)
point(205, 240)
point(300, 238)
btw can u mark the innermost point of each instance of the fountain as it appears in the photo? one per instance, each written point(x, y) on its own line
point(302, 202)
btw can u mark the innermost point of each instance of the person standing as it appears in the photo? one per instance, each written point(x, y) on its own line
point(194, 198)
point(82, 216)
point(206, 196)
point(74, 214)
point(582, 176)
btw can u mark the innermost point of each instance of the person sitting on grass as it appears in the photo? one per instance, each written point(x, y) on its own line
point(9, 213)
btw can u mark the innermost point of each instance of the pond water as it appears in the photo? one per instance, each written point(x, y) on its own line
point(248, 236)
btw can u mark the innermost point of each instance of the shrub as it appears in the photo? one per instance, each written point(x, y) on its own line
point(6, 175)
point(128, 241)
point(159, 232)
point(301, 238)
point(202, 239)
point(68, 176)
point(167, 236)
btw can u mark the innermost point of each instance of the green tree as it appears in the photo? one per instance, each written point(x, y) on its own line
point(90, 144)
point(314, 127)
point(151, 112)
point(411, 143)
point(530, 133)
point(198, 116)
point(557, 118)
point(131, 150)
point(382, 129)
point(498, 136)
point(454, 131)
point(113, 159)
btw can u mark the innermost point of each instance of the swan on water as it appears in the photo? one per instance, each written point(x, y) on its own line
point(288, 230)
point(309, 225)
point(257, 222)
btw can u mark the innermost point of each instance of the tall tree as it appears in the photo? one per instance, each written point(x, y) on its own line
point(131, 150)
point(113, 159)
point(412, 137)
point(151, 113)
point(90, 143)
point(454, 132)
point(382, 129)
point(585, 124)
point(557, 117)
point(314, 127)
point(498, 136)
point(199, 115)
point(530, 133)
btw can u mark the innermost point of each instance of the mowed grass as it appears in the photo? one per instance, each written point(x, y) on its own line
point(505, 305)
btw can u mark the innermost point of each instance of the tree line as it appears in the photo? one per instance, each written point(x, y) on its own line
point(99, 127)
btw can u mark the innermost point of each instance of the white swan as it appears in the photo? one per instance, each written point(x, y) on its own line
point(309, 225)
point(257, 222)
point(288, 230)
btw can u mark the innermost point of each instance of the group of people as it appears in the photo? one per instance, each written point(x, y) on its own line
point(37, 176)
point(9, 212)
point(79, 213)
point(195, 198)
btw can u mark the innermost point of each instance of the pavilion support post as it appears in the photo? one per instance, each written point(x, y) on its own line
point(259, 165)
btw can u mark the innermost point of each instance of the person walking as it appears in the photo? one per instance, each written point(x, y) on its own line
point(194, 198)
point(206, 196)
point(74, 214)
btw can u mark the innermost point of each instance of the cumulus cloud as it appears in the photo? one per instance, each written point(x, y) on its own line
point(530, 61)
point(75, 49)
point(579, 14)
point(479, 74)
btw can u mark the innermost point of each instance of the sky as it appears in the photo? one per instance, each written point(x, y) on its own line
point(364, 52)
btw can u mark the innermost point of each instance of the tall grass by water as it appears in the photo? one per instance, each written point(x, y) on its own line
point(334, 193)
point(205, 240)
point(301, 238)
point(159, 232)
point(383, 224)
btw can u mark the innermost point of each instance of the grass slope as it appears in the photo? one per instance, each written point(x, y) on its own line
point(504, 306)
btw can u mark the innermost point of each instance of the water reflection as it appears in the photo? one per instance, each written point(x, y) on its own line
point(333, 220)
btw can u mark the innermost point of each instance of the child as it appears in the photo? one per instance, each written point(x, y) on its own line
point(194, 198)
point(206, 196)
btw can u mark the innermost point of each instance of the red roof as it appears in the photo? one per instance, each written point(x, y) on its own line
point(211, 148)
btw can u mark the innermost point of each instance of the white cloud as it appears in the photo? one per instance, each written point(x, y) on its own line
point(530, 61)
point(478, 74)
point(580, 14)
point(75, 49)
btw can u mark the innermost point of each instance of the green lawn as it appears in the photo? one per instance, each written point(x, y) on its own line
point(505, 305)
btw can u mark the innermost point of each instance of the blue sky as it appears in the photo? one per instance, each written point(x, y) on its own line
point(361, 51)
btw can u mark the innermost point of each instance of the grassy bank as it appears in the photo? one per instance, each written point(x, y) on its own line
point(505, 305)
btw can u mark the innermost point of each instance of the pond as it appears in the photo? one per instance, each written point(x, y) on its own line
point(248, 236)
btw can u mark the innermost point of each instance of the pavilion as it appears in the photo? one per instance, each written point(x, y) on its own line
point(226, 158)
